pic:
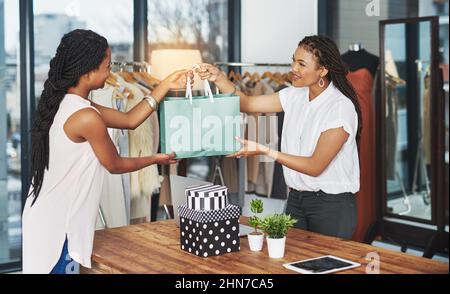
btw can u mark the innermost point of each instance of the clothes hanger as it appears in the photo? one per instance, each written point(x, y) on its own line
point(138, 82)
point(238, 76)
point(151, 79)
point(115, 77)
point(127, 76)
point(247, 74)
point(255, 77)
point(136, 75)
point(278, 77)
point(232, 76)
point(395, 80)
point(267, 75)
point(146, 80)
point(112, 79)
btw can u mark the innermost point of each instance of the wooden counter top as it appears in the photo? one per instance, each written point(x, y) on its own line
point(154, 248)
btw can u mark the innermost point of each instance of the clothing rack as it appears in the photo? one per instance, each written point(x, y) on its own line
point(142, 66)
point(243, 64)
point(124, 66)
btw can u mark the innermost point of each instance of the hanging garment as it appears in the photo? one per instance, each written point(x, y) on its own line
point(363, 84)
point(230, 174)
point(260, 169)
point(146, 181)
point(271, 135)
point(253, 89)
point(361, 59)
point(244, 116)
point(279, 188)
point(112, 203)
point(165, 198)
point(391, 129)
point(115, 201)
point(123, 143)
point(154, 121)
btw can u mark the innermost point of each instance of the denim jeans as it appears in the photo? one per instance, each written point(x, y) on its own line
point(65, 265)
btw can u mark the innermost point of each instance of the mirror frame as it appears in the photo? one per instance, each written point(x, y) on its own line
point(437, 109)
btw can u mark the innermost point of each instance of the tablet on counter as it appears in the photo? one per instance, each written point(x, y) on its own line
point(321, 265)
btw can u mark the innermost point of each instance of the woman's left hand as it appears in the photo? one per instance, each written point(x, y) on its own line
point(178, 79)
point(249, 148)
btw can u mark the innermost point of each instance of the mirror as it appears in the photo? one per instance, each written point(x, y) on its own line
point(407, 67)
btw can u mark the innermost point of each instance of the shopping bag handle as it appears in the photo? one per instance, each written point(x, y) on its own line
point(207, 87)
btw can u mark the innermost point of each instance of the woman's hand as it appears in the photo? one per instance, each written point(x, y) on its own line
point(177, 80)
point(250, 148)
point(209, 72)
point(219, 78)
point(165, 159)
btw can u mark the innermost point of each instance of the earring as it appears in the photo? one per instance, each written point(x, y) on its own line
point(321, 83)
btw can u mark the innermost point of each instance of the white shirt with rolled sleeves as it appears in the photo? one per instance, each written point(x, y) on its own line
point(304, 122)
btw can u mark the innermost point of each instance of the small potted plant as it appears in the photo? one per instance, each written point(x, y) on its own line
point(276, 227)
point(255, 239)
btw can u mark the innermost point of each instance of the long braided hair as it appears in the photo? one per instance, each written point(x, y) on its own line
point(80, 52)
point(328, 56)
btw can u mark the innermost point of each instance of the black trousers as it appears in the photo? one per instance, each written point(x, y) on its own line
point(327, 214)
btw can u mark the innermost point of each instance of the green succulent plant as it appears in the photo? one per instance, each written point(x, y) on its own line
point(276, 226)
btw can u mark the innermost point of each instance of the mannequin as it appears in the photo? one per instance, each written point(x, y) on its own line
point(357, 58)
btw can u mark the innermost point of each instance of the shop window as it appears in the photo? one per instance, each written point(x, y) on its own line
point(10, 177)
point(112, 19)
point(189, 24)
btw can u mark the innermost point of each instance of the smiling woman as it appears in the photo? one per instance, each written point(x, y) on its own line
point(72, 150)
point(319, 141)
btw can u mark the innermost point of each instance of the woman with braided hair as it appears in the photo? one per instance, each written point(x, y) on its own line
point(319, 140)
point(71, 150)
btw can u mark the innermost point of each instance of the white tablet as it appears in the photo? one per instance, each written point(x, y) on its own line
point(321, 265)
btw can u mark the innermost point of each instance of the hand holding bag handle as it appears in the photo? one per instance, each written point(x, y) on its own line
point(207, 87)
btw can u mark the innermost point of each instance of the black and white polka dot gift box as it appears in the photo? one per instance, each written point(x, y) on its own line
point(206, 197)
point(209, 233)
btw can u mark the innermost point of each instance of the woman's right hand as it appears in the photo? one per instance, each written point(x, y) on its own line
point(178, 79)
point(165, 159)
point(209, 72)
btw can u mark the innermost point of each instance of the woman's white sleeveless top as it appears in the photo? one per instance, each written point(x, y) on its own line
point(68, 201)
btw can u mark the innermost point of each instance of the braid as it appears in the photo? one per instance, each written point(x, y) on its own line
point(328, 56)
point(79, 52)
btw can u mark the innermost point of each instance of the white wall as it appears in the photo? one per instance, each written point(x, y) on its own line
point(271, 29)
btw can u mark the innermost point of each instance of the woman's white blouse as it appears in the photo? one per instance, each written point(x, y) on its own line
point(304, 122)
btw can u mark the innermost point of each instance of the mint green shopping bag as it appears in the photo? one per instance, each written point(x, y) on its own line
point(200, 126)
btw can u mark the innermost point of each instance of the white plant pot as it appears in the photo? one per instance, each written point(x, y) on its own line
point(255, 242)
point(276, 247)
